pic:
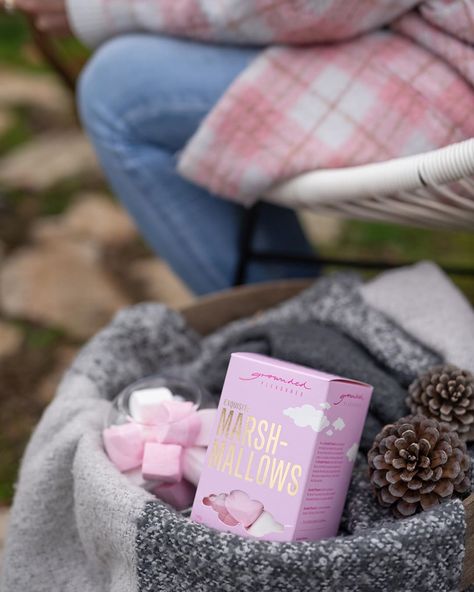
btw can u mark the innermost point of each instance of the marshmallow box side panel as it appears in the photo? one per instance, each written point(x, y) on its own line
point(261, 458)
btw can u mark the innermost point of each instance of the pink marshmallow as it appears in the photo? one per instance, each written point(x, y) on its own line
point(226, 518)
point(124, 446)
point(162, 462)
point(179, 495)
point(193, 463)
point(242, 508)
point(207, 417)
point(216, 502)
point(235, 508)
point(171, 411)
point(183, 432)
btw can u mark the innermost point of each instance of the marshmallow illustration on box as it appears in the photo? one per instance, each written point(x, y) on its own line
point(281, 451)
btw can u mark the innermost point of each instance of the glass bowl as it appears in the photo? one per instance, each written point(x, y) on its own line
point(182, 390)
point(122, 413)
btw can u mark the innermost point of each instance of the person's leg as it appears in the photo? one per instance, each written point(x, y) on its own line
point(141, 99)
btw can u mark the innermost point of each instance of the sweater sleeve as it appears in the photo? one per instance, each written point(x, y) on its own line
point(94, 21)
point(254, 22)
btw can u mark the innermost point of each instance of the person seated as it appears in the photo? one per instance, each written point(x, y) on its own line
point(141, 99)
point(189, 102)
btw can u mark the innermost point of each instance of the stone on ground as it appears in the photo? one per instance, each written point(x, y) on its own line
point(34, 90)
point(60, 285)
point(11, 339)
point(158, 282)
point(322, 230)
point(92, 217)
point(47, 387)
point(49, 159)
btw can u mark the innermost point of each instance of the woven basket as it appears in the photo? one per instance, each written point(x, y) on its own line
point(212, 312)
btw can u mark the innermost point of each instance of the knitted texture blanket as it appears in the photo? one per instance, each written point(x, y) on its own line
point(77, 524)
point(439, 315)
point(374, 95)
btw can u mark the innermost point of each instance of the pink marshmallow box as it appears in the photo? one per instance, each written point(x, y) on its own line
point(281, 451)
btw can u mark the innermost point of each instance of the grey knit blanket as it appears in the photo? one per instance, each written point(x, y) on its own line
point(78, 525)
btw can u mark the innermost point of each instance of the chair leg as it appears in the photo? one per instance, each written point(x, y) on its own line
point(46, 46)
point(247, 232)
point(247, 254)
point(375, 265)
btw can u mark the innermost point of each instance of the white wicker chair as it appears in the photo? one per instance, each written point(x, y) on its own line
point(435, 189)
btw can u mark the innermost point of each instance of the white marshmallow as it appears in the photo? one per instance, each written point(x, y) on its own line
point(193, 462)
point(265, 524)
point(145, 403)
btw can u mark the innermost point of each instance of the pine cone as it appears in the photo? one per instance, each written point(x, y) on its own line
point(447, 394)
point(417, 463)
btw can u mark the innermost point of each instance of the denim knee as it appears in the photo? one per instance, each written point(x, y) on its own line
point(140, 73)
point(94, 92)
point(106, 84)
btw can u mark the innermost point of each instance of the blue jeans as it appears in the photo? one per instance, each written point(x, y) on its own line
point(141, 98)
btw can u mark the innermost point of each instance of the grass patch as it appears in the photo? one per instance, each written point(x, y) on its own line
point(394, 244)
point(19, 133)
point(40, 337)
point(57, 199)
point(17, 48)
point(8, 472)
point(13, 36)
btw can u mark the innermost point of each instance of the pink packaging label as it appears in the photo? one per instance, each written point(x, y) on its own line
point(282, 450)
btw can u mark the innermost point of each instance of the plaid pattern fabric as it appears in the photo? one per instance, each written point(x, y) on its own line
point(294, 110)
point(454, 16)
point(311, 104)
point(251, 21)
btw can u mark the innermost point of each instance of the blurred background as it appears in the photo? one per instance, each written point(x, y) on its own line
point(70, 257)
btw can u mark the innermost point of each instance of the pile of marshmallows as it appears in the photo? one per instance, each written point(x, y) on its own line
point(162, 446)
point(237, 507)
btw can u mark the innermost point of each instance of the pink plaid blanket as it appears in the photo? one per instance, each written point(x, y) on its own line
point(343, 82)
